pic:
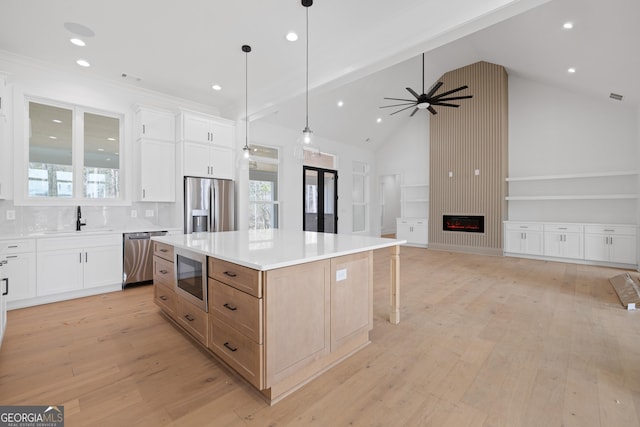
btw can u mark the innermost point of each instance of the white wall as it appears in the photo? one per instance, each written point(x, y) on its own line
point(556, 132)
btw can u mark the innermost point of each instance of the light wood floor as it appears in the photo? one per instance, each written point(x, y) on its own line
point(483, 341)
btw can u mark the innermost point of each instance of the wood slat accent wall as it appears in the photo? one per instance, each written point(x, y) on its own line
point(473, 136)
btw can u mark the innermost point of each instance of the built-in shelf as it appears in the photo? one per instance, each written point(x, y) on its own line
point(576, 197)
point(414, 200)
point(572, 176)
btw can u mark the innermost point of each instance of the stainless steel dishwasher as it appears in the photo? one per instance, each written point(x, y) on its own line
point(138, 257)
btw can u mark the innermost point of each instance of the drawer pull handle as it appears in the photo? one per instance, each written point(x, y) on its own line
point(12, 246)
point(562, 228)
point(163, 271)
point(189, 317)
point(230, 307)
point(609, 230)
point(229, 347)
point(164, 250)
point(163, 298)
point(230, 274)
point(12, 256)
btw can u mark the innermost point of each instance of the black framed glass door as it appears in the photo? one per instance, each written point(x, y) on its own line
point(320, 200)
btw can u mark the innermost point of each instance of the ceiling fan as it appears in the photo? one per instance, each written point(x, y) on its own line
point(428, 100)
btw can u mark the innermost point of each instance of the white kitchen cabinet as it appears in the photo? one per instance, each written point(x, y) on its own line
point(155, 155)
point(207, 129)
point(155, 124)
point(4, 105)
point(4, 289)
point(205, 160)
point(564, 240)
point(20, 268)
point(5, 160)
point(76, 263)
point(413, 230)
point(157, 171)
point(523, 238)
point(611, 243)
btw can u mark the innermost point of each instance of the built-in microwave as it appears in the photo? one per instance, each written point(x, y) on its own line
point(191, 276)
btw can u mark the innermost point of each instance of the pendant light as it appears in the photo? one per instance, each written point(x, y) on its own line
point(307, 141)
point(245, 150)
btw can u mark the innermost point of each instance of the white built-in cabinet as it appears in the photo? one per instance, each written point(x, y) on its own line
point(5, 152)
point(20, 268)
point(156, 155)
point(523, 238)
point(207, 145)
point(611, 243)
point(413, 230)
point(412, 226)
point(564, 240)
point(69, 264)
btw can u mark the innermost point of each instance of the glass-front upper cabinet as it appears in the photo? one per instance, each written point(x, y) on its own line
point(73, 153)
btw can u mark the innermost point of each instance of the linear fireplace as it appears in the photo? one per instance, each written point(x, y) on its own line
point(464, 223)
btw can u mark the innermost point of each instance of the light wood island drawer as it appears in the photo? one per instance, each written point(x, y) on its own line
point(239, 351)
point(163, 250)
point(243, 278)
point(163, 272)
point(240, 310)
point(193, 319)
point(165, 298)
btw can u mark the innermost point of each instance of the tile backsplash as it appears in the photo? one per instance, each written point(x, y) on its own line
point(36, 219)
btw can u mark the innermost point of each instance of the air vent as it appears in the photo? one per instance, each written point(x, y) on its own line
point(615, 96)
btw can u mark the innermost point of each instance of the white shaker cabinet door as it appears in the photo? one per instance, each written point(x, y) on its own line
point(59, 271)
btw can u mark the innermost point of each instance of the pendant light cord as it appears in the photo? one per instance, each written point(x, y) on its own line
point(423, 73)
point(307, 87)
point(246, 100)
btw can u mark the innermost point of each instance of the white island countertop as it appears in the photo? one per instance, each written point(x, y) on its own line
point(270, 249)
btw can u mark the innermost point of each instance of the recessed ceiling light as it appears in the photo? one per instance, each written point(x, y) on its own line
point(291, 36)
point(571, 70)
point(216, 87)
point(77, 42)
point(111, 139)
point(56, 121)
point(83, 63)
point(378, 120)
point(567, 25)
point(53, 137)
point(100, 149)
point(340, 103)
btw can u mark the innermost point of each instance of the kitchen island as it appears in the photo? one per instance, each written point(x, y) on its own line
point(279, 307)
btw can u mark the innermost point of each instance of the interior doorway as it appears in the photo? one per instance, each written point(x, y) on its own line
point(320, 200)
point(389, 203)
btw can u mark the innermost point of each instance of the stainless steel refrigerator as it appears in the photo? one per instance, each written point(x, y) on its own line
point(209, 205)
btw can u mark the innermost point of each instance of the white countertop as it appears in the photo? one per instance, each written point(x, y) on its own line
point(271, 249)
point(84, 232)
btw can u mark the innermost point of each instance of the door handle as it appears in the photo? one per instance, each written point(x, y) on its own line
point(6, 292)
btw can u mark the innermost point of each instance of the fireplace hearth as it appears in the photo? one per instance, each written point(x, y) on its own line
point(463, 223)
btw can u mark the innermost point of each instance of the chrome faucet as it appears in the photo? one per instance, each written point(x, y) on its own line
point(79, 222)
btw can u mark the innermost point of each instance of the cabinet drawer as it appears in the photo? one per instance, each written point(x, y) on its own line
point(524, 226)
point(165, 298)
point(17, 246)
point(610, 229)
point(240, 352)
point(192, 319)
point(163, 250)
point(163, 272)
point(240, 277)
point(564, 228)
point(238, 309)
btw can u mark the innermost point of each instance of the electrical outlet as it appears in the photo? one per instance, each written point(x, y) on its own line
point(11, 215)
point(134, 214)
point(148, 213)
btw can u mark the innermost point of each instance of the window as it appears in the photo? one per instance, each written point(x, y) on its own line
point(263, 188)
point(74, 153)
point(360, 196)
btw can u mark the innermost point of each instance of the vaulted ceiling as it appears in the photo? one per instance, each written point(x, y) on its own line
point(359, 51)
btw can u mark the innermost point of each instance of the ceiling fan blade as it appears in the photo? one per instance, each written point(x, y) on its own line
point(433, 89)
point(400, 99)
point(444, 104)
point(454, 98)
point(413, 92)
point(398, 105)
point(450, 92)
point(432, 110)
point(414, 111)
point(402, 109)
